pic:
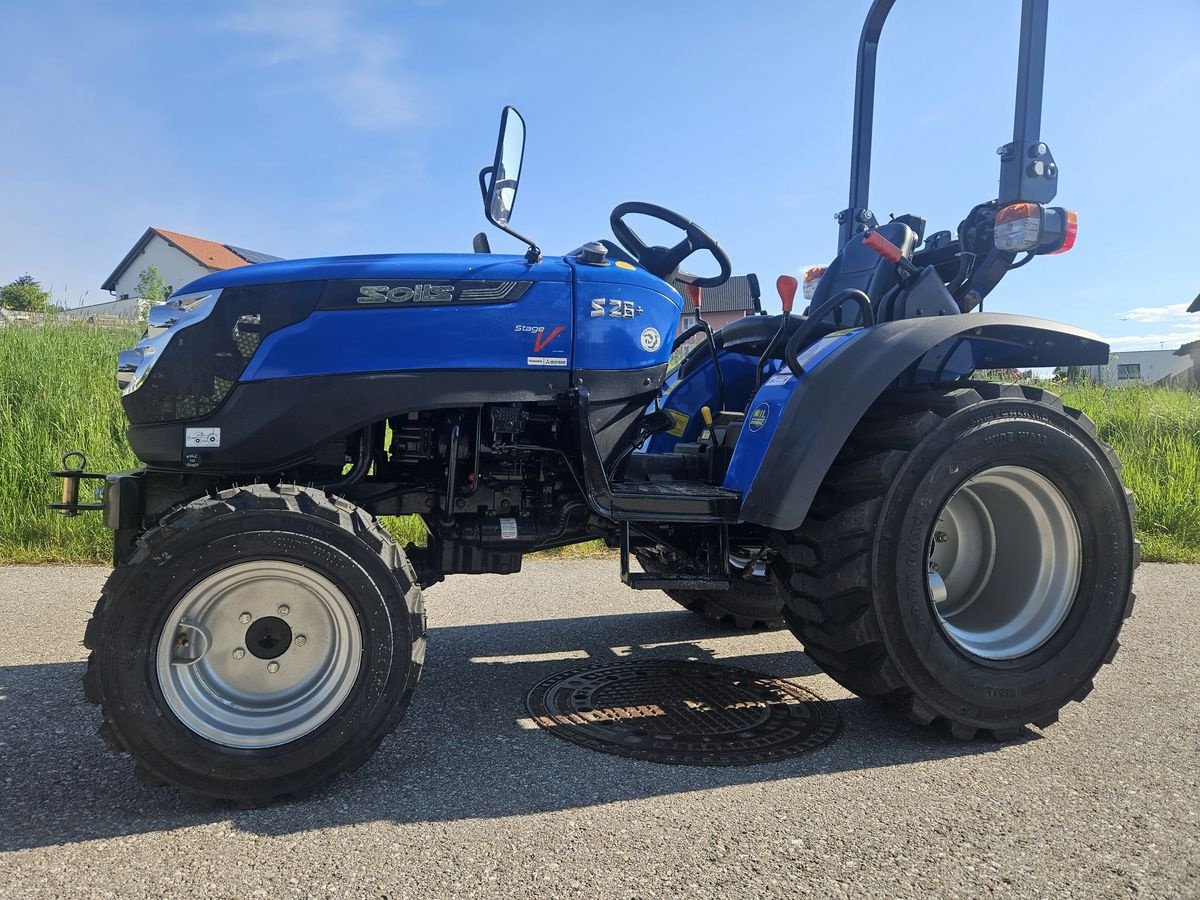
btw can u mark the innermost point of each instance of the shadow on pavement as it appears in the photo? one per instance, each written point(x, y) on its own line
point(462, 751)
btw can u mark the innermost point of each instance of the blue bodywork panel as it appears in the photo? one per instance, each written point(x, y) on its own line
point(624, 318)
point(763, 417)
point(533, 332)
point(611, 317)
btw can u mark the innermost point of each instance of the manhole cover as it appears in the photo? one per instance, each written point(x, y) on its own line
point(683, 712)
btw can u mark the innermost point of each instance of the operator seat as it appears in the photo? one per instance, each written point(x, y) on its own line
point(860, 268)
point(857, 266)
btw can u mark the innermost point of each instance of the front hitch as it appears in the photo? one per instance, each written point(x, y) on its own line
point(72, 476)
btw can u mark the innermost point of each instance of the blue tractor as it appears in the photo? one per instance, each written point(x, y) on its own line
point(956, 550)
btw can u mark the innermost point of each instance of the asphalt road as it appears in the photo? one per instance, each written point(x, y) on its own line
point(463, 800)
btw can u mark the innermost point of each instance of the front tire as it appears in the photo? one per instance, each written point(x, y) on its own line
point(256, 645)
point(968, 560)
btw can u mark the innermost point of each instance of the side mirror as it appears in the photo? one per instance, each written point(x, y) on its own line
point(505, 174)
point(498, 182)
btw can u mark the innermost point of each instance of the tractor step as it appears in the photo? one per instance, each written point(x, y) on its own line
point(645, 499)
point(685, 502)
point(653, 581)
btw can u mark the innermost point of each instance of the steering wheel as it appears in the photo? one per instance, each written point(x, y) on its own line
point(664, 261)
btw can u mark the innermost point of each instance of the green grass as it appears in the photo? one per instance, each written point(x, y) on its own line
point(1156, 433)
point(57, 393)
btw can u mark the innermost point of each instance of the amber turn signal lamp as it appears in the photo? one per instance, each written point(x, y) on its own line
point(812, 277)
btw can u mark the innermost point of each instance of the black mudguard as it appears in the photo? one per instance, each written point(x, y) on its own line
point(829, 401)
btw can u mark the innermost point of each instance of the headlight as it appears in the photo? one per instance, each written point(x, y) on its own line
point(165, 321)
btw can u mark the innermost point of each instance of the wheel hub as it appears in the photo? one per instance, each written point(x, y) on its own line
point(268, 637)
point(1004, 563)
point(259, 654)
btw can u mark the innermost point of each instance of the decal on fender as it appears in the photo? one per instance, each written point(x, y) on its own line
point(758, 418)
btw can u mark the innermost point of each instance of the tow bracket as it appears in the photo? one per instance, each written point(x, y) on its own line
point(72, 476)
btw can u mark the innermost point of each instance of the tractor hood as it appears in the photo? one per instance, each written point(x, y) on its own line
point(385, 266)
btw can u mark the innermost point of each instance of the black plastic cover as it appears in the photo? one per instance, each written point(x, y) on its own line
point(203, 362)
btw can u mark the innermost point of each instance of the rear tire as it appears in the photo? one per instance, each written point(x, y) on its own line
point(257, 644)
point(968, 560)
point(750, 604)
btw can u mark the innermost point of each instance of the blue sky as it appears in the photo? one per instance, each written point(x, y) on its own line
point(330, 128)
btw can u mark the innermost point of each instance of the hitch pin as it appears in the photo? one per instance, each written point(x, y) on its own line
point(70, 491)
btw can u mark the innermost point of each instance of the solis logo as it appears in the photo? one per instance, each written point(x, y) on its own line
point(417, 293)
point(541, 338)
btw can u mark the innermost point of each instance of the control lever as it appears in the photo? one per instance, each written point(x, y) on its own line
point(786, 285)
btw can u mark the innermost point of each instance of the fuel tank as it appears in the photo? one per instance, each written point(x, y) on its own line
point(289, 355)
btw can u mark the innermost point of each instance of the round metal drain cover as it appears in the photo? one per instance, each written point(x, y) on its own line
point(683, 712)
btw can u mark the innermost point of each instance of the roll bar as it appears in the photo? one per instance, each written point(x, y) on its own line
point(1027, 170)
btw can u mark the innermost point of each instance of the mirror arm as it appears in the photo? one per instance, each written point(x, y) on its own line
point(533, 255)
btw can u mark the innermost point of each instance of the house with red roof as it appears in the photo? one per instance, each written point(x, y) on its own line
point(180, 259)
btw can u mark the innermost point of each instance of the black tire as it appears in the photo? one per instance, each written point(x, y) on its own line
point(749, 605)
point(323, 536)
point(859, 568)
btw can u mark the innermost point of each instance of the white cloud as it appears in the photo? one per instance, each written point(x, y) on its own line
point(337, 57)
point(1166, 313)
point(1170, 340)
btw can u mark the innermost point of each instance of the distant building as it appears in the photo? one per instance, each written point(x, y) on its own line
point(1174, 367)
point(180, 258)
point(736, 298)
point(1191, 352)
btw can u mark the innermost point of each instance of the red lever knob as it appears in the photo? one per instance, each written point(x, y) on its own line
point(883, 246)
point(787, 285)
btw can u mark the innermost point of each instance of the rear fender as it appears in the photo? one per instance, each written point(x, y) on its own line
point(796, 426)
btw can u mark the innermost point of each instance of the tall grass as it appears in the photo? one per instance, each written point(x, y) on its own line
point(1156, 433)
point(57, 393)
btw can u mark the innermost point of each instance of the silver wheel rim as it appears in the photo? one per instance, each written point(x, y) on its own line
point(1004, 563)
point(232, 675)
point(740, 558)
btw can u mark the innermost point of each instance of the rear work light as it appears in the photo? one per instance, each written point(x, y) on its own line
point(1037, 229)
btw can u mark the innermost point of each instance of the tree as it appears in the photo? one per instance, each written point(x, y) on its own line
point(24, 294)
point(151, 290)
point(151, 285)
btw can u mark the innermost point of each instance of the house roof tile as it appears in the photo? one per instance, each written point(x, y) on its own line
point(209, 254)
point(739, 294)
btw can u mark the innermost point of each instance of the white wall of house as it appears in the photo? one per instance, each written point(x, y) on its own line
point(175, 266)
point(1139, 367)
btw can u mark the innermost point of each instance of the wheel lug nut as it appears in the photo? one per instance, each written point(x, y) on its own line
point(301, 640)
point(942, 537)
point(284, 609)
point(239, 653)
point(272, 667)
point(245, 618)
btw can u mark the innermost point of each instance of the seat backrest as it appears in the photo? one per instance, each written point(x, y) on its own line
point(861, 268)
